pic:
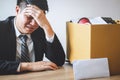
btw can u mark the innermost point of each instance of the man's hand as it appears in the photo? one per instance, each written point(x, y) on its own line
point(38, 66)
point(39, 16)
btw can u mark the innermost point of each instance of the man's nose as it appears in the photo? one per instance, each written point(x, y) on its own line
point(32, 22)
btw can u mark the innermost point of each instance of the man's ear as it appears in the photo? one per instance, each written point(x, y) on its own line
point(17, 9)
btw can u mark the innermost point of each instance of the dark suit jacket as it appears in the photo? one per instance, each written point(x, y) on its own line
point(8, 64)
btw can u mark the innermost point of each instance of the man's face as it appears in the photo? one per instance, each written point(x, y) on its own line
point(25, 23)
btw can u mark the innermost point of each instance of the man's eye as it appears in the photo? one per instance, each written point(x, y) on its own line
point(29, 17)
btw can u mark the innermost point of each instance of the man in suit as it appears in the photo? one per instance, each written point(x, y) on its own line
point(30, 20)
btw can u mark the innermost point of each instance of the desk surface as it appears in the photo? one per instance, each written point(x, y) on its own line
point(64, 73)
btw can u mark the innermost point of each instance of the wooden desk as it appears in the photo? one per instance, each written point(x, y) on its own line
point(64, 73)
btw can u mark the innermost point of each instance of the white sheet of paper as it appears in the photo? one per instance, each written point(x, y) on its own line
point(92, 68)
point(97, 20)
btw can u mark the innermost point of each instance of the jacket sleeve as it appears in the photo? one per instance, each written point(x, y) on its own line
point(8, 67)
point(7, 63)
point(55, 52)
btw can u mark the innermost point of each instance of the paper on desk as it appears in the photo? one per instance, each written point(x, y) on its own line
point(92, 68)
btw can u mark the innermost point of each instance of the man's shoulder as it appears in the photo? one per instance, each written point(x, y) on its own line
point(7, 20)
point(6, 24)
point(38, 34)
point(39, 30)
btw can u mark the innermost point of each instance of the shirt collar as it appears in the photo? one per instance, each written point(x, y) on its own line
point(17, 31)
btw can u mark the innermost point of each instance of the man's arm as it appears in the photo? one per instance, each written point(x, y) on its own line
point(55, 52)
point(37, 66)
point(8, 67)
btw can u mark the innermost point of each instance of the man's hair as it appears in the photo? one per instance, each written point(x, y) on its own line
point(42, 4)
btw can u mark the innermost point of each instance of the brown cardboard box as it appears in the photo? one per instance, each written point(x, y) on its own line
point(85, 41)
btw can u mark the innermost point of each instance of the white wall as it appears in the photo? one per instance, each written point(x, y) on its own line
point(64, 10)
point(61, 11)
point(7, 8)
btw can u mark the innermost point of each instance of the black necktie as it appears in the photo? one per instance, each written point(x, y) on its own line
point(24, 49)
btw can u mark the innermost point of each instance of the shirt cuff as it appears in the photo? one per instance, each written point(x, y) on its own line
point(18, 69)
point(51, 39)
